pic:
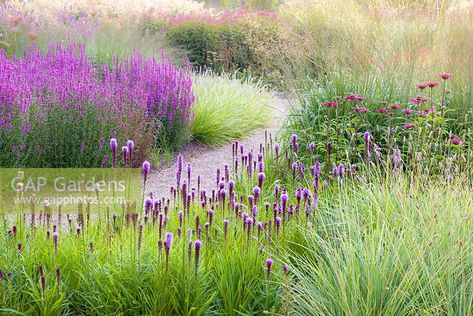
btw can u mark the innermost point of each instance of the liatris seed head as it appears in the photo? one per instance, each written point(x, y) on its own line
point(55, 238)
point(58, 276)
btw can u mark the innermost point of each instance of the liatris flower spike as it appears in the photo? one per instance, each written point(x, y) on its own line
point(198, 246)
point(131, 145)
point(125, 154)
point(269, 264)
point(146, 167)
point(113, 146)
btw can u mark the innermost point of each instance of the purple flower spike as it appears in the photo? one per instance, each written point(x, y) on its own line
point(168, 241)
point(261, 177)
point(55, 238)
point(277, 149)
point(198, 246)
point(341, 170)
point(113, 146)
point(311, 147)
point(256, 193)
point(146, 167)
point(225, 228)
point(269, 264)
point(131, 146)
point(78, 230)
point(254, 211)
point(125, 154)
point(285, 268)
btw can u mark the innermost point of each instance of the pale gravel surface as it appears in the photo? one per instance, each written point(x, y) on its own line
point(205, 160)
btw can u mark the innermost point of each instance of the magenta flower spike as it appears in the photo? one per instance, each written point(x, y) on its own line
point(125, 154)
point(269, 264)
point(113, 146)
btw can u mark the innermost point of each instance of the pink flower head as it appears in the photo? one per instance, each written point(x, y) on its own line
point(408, 112)
point(382, 111)
point(433, 84)
point(359, 109)
point(354, 97)
point(393, 106)
point(426, 112)
point(330, 104)
point(422, 85)
point(455, 140)
point(445, 75)
point(409, 126)
point(418, 100)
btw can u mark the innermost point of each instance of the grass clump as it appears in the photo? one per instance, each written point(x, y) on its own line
point(226, 108)
point(396, 249)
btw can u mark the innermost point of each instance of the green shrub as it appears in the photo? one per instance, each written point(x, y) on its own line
point(218, 47)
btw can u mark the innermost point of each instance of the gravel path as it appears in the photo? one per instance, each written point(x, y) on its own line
point(205, 160)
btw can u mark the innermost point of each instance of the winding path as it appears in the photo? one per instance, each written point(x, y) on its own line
point(205, 160)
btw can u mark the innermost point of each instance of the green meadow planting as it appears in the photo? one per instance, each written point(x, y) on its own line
point(357, 203)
